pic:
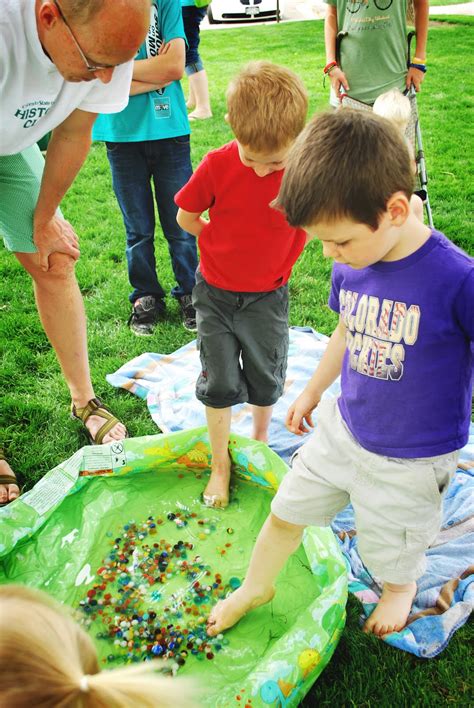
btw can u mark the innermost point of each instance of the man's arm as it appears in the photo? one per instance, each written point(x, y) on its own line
point(422, 9)
point(166, 67)
point(66, 153)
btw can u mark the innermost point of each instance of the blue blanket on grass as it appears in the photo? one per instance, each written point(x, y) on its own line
point(445, 595)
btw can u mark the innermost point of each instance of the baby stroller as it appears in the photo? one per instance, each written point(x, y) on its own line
point(413, 131)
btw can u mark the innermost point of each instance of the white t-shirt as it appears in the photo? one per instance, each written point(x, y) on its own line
point(34, 97)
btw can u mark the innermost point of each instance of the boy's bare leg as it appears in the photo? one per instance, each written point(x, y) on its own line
point(61, 310)
point(392, 610)
point(191, 102)
point(262, 416)
point(199, 86)
point(276, 541)
point(218, 423)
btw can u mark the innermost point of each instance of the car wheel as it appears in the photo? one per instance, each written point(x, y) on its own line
point(210, 16)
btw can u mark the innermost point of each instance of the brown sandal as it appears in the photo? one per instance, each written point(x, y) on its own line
point(95, 407)
point(8, 479)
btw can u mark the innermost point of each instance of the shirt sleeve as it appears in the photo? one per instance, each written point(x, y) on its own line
point(112, 97)
point(464, 305)
point(172, 27)
point(336, 280)
point(198, 194)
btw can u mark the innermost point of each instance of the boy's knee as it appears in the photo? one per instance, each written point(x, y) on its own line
point(285, 526)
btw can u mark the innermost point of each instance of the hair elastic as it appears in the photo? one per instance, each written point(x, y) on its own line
point(84, 684)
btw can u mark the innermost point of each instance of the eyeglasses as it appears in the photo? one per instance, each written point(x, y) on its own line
point(90, 67)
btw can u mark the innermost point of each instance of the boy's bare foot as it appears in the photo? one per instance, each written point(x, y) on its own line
point(8, 491)
point(229, 611)
point(392, 611)
point(216, 493)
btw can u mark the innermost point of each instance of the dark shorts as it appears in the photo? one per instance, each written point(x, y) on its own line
point(192, 18)
point(243, 344)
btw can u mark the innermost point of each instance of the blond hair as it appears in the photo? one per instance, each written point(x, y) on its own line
point(46, 659)
point(395, 107)
point(267, 106)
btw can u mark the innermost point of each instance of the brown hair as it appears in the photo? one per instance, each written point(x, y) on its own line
point(267, 106)
point(346, 164)
point(46, 660)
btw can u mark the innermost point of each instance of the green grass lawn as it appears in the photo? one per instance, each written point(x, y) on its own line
point(34, 425)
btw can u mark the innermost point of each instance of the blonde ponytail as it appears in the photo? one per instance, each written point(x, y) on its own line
point(46, 659)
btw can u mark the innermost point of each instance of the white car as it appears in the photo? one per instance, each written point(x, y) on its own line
point(244, 10)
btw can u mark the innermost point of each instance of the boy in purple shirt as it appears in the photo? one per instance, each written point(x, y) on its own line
point(390, 443)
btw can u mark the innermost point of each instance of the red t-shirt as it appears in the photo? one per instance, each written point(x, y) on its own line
point(247, 246)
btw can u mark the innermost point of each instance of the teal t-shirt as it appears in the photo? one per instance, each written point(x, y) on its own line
point(374, 50)
point(157, 114)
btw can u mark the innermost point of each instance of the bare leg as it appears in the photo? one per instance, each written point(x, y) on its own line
point(8, 492)
point(275, 543)
point(218, 422)
point(191, 102)
point(262, 416)
point(392, 611)
point(61, 310)
point(199, 86)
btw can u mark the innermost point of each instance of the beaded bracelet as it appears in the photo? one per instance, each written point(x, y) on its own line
point(420, 67)
point(329, 67)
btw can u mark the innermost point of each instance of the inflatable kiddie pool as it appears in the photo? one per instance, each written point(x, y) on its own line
point(118, 532)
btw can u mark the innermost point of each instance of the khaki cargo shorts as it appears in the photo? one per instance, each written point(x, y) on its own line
point(397, 501)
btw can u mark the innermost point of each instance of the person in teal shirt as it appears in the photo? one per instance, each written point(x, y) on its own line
point(148, 146)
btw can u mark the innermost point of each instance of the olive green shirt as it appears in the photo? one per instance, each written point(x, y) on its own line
point(373, 54)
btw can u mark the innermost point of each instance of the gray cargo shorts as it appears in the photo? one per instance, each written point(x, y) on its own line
point(243, 344)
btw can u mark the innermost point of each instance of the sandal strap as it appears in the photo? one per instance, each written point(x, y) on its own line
point(96, 407)
point(9, 479)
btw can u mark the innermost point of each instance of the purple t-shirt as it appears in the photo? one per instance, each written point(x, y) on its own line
point(407, 369)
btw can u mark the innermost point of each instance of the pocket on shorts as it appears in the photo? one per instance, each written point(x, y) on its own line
point(281, 362)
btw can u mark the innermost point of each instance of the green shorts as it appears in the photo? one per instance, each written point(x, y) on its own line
point(20, 179)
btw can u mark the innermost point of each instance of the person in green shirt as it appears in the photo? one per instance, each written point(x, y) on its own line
point(373, 50)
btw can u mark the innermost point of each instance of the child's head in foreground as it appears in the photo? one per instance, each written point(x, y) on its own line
point(394, 106)
point(46, 659)
point(348, 181)
point(267, 106)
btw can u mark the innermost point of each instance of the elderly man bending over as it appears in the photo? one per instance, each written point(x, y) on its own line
point(61, 63)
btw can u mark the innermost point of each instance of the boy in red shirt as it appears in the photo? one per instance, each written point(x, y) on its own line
point(247, 253)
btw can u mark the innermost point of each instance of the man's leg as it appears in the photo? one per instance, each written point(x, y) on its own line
point(61, 310)
point(217, 489)
point(275, 543)
point(261, 416)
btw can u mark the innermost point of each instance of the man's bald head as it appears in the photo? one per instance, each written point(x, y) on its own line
point(109, 32)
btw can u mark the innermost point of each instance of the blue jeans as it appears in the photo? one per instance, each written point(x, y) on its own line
point(134, 166)
point(192, 18)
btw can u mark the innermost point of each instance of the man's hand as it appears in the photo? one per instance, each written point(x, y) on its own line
point(55, 236)
point(338, 79)
point(300, 412)
point(415, 77)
